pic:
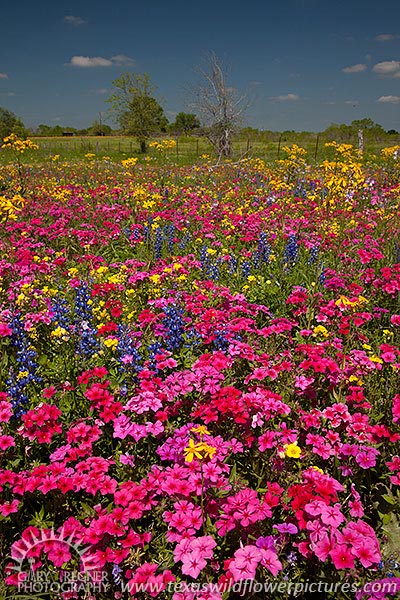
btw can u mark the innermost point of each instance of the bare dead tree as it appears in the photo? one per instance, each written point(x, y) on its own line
point(218, 105)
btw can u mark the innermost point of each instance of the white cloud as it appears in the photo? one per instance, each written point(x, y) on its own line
point(122, 61)
point(388, 68)
point(287, 98)
point(74, 21)
point(101, 91)
point(90, 61)
point(352, 102)
point(385, 37)
point(389, 99)
point(86, 62)
point(3, 76)
point(355, 68)
point(8, 94)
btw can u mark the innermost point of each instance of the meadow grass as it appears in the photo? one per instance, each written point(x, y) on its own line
point(188, 150)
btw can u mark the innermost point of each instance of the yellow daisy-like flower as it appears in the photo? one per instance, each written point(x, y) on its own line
point(201, 430)
point(292, 450)
point(208, 450)
point(193, 451)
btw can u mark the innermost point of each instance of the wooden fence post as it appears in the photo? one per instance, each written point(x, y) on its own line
point(316, 148)
point(279, 145)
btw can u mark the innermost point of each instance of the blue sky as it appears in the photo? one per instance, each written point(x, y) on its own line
point(307, 63)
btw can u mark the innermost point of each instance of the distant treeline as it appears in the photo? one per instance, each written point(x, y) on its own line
point(338, 132)
point(189, 124)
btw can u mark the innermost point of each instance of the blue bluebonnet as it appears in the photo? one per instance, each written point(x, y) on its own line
point(313, 255)
point(232, 264)
point(87, 342)
point(300, 190)
point(61, 311)
point(256, 259)
point(322, 276)
point(193, 339)
point(174, 325)
point(170, 235)
point(291, 251)
point(246, 269)
point(25, 359)
point(136, 233)
point(263, 247)
point(158, 242)
point(213, 270)
point(127, 347)
point(220, 342)
point(204, 257)
point(154, 349)
point(147, 234)
point(184, 241)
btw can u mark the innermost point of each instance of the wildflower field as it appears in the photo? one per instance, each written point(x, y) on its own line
point(199, 377)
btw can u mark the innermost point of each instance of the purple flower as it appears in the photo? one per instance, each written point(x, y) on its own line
point(286, 528)
point(267, 542)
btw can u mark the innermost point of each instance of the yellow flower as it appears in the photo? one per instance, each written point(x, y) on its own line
point(201, 430)
point(209, 450)
point(200, 450)
point(292, 450)
point(22, 375)
point(193, 451)
point(129, 162)
point(111, 343)
point(320, 329)
point(374, 358)
point(317, 468)
point(59, 332)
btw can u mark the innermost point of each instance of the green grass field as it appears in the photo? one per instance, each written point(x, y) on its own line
point(187, 150)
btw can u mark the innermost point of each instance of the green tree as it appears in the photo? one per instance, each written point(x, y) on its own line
point(135, 108)
point(98, 128)
point(10, 123)
point(371, 129)
point(185, 122)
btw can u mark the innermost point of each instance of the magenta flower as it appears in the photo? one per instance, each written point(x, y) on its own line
point(271, 562)
point(342, 557)
point(193, 563)
point(331, 515)
point(286, 528)
point(245, 562)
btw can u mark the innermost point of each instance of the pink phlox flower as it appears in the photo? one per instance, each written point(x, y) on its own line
point(270, 560)
point(331, 515)
point(322, 546)
point(342, 556)
point(246, 561)
point(192, 563)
